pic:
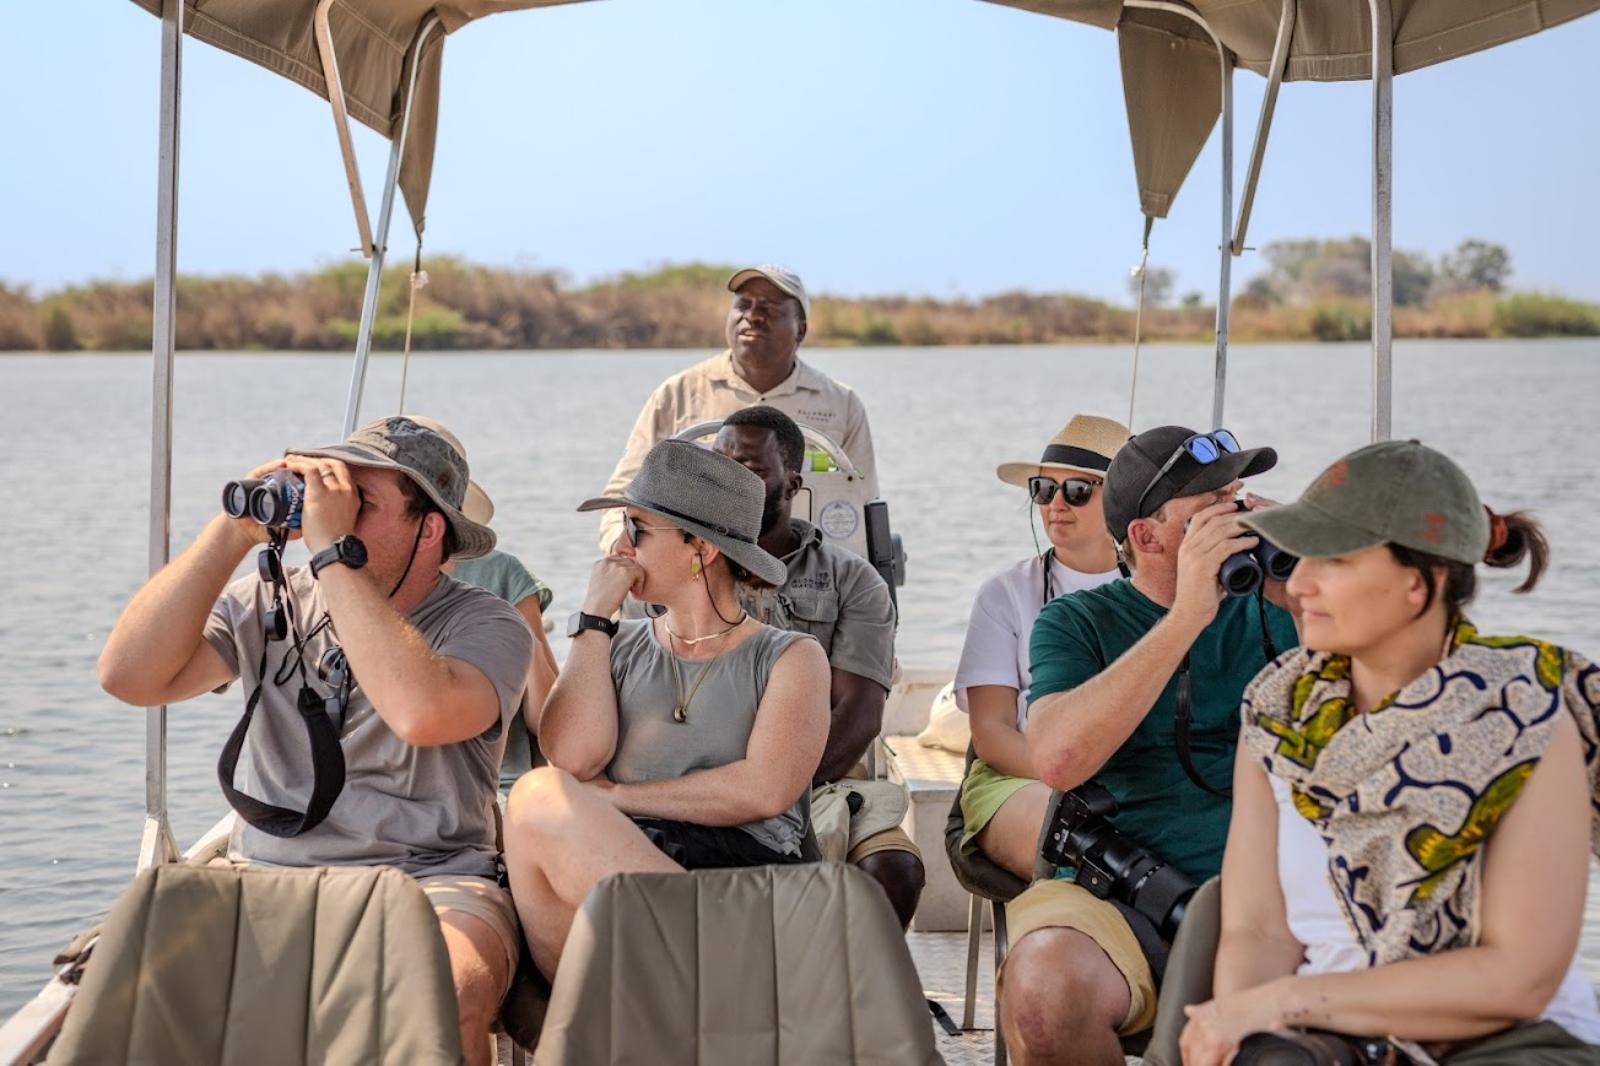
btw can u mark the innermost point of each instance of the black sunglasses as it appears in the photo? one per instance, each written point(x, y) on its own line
point(1202, 449)
point(1075, 491)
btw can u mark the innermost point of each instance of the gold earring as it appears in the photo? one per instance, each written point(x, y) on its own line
point(694, 567)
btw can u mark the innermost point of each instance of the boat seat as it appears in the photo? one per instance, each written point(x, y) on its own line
point(232, 966)
point(766, 966)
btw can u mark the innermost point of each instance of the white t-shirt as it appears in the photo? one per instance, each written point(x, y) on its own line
point(1316, 921)
point(996, 649)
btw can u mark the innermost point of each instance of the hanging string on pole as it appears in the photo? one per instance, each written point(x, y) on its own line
point(1139, 272)
point(419, 278)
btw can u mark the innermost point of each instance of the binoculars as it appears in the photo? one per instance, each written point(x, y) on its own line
point(1243, 572)
point(275, 500)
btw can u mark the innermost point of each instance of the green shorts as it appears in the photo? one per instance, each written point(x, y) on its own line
point(983, 792)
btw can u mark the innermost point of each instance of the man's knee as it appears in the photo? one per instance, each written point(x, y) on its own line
point(1056, 985)
point(478, 967)
point(902, 876)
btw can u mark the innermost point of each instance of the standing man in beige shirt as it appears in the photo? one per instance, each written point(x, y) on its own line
point(766, 323)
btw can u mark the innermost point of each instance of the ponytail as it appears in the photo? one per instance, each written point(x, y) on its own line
point(1513, 538)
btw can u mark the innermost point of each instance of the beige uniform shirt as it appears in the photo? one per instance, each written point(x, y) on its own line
point(713, 389)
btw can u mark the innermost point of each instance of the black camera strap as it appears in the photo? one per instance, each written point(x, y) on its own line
point(1183, 713)
point(327, 757)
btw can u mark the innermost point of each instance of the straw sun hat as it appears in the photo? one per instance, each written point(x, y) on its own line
point(1083, 446)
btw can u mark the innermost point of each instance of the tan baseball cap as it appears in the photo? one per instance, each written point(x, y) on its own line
point(782, 277)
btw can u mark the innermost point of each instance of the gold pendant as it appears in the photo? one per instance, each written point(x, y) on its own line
point(679, 714)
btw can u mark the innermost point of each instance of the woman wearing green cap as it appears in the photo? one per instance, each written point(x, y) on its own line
point(1413, 800)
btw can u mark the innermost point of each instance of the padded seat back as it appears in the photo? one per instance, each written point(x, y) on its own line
point(223, 966)
point(800, 965)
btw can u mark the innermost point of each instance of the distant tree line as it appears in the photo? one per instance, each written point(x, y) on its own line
point(1312, 289)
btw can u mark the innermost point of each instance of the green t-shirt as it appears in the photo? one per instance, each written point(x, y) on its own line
point(1080, 634)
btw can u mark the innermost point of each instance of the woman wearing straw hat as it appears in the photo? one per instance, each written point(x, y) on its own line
point(681, 742)
point(1002, 805)
point(1412, 812)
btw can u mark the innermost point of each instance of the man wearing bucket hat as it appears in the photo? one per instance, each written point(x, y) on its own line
point(1135, 689)
point(687, 741)
point(417, 675)
point(765, 326)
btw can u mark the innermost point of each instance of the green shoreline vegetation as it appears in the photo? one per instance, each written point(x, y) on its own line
point(1312, 290)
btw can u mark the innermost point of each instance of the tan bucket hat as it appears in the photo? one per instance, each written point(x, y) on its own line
point(1085, 445)
point(428, 458)
point(477, 506)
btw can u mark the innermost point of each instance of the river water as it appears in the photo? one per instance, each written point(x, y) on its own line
point(543, 431)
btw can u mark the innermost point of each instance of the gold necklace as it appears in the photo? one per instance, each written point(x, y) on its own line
point(680, 710)
point(691, 642)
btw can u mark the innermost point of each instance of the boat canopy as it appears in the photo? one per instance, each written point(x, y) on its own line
point(1170, 62)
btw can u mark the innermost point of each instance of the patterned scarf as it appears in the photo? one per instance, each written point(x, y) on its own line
point(1407, 794)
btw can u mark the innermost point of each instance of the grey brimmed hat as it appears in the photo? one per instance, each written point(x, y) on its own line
point(1133, 468)
point(425, 456)
point(1085, 445)
point(782, 277)
point(705, 493)
point(476, 504)
point(1394, 492)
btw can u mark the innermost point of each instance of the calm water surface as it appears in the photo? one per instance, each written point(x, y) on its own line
point(543, 431)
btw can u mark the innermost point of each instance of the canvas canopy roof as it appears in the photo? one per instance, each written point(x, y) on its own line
point(1171, 69)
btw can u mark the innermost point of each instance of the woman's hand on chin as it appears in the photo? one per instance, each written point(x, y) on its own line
point(610, 581)
point(1216, 1027)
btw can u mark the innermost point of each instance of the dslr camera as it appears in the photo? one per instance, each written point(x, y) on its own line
point(1110, 864)
point(275, 500)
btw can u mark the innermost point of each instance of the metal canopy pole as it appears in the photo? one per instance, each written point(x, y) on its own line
point(1269, 105)
point(156, 845)
point(1219, 387)
point(391, 181)
point(1382, 219)
point(1225, 271)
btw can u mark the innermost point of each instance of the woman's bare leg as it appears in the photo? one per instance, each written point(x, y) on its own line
point(563, 837)
point(1011, 838)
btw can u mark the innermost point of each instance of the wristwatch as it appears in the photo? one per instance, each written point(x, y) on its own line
point(579, 622)
point(348, 550)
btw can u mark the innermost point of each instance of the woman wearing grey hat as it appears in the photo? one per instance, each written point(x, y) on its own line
point(1002, 804)
point(680, 742)
point(1406, 788)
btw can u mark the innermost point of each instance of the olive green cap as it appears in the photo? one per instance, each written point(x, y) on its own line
point(1395, 492)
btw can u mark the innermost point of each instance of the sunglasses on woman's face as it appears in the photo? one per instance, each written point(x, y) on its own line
point(633, 528)
point(1075, 491)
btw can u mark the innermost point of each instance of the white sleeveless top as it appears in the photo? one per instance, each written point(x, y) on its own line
point(1317, 922)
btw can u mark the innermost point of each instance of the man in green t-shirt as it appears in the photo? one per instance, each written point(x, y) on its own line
point(1108, 665)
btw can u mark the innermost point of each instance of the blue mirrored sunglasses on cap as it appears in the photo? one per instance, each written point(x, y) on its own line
point(1202, 449)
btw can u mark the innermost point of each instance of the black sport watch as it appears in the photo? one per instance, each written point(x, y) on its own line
point(580, 622)
point(347, 550)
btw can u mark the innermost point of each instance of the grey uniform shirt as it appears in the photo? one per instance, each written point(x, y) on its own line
point(837, 597)
point(425, 810)
point(652, 746)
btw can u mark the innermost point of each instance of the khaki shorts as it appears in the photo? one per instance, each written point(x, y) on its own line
point(483, 899)
point(893, 839)
point(1064, 905)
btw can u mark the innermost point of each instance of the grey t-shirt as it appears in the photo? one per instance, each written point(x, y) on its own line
point(837, 597)
point(651, 746)
point(425, 810)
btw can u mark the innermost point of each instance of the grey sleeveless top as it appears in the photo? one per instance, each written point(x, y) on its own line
point(651, 746)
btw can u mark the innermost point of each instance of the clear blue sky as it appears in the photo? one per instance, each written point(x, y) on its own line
point(927, 146)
